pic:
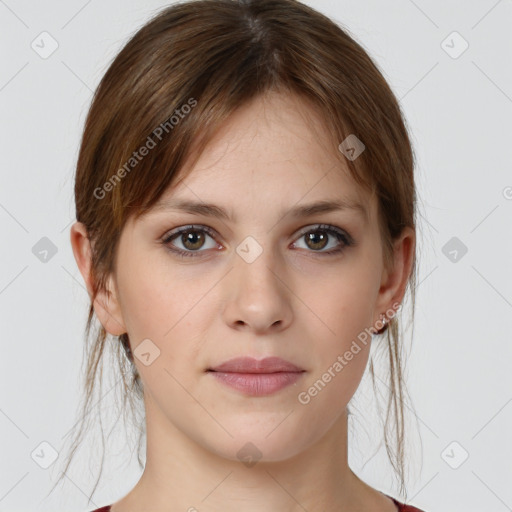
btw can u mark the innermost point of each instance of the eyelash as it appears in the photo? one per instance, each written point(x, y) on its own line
point(339, 234)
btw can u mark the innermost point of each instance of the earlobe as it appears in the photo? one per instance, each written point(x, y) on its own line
point(106, 306)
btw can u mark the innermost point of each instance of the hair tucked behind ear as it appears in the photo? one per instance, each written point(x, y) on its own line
point(221, 54)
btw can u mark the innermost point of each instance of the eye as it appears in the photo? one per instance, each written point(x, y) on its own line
point(317, 239)
point(191, 238)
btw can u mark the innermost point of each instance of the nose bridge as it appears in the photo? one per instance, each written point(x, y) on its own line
point(255, 262)
point(258, 298)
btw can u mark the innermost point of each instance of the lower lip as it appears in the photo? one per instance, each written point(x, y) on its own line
point(258, 384)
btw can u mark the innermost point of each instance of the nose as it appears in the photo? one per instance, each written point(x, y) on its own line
point(258, 295)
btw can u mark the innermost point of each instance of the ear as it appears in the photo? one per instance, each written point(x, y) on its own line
point(394, 280)
point(106, 304)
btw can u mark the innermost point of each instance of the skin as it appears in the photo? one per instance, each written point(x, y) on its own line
point(291, 301)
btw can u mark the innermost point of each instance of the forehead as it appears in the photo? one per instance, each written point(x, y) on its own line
point(273, 152)
point(274, 128)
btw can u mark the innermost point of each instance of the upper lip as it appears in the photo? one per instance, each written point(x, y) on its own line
point(251, 365)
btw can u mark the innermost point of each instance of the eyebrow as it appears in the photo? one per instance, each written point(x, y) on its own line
point(299, 211)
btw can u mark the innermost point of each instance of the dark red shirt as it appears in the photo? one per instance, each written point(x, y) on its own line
point(401, 507)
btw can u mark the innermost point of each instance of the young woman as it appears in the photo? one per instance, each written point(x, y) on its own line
point(245, 207)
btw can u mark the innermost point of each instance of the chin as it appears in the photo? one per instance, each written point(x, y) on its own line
point(252, 442)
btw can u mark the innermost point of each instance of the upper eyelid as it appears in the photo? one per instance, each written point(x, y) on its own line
point(301, 232)
point(192, 227)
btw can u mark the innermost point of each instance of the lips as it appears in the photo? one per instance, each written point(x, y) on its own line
point(254, 377)
point(251, 365)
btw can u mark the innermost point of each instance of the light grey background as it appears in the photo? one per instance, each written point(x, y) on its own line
point(459, 112)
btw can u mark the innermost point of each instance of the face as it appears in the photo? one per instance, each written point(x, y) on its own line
point(260, 282)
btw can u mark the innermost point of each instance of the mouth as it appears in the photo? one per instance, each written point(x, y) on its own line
point(251, 365)
point(257, 377)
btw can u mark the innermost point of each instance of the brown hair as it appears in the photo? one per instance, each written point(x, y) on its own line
point(216, 55)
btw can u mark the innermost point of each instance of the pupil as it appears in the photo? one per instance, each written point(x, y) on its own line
point(189, 239)
point(315, 239)
point(194, 239)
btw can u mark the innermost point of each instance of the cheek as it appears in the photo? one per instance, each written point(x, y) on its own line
point(343, 311)
point(341, 356)
point(346, 315)
point(171, 310)
point(344, 306)
point(156, 300)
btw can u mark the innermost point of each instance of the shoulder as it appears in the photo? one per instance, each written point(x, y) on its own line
point(402, 507)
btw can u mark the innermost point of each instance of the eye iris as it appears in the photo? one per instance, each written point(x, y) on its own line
point(317, 239)
point(192, 237)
